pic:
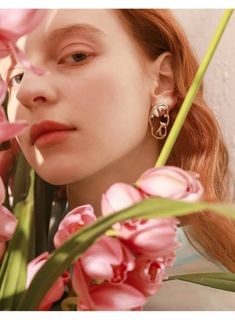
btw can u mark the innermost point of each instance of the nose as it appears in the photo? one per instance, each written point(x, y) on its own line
point(36, 90)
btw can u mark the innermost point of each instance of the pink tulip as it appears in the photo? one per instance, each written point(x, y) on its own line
point(56, 291)
point(171, 182)
point(2, 191)
point(153, 238)
point(8, 223)
point(9, 130)
point(2, 250)
point(119, 196)
point(148, 275)
point(106, 296)
point(108, 259)
point(3, 91)
point(74, 221)
point(15, 23)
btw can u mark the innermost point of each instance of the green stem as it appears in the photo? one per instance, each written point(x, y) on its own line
point(179, 121)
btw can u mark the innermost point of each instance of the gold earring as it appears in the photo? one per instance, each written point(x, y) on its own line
point(164, 120)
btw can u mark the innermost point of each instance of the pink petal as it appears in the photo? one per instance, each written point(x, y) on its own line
point(3, 117)
point(80, 285)
point(147, 276)
point(34, 265)
point(118, 297)
point(74, 221)
point(23, 60)
point(119, 196)
point(4, 48)
point(171, 182)
point(8, 223)
point(2, 191)
point(9, 130)
point(98, 260)
point(3, 90)
point(57, 289)
point(15, 23)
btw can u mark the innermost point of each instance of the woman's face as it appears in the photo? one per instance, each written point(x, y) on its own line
point(95, 83)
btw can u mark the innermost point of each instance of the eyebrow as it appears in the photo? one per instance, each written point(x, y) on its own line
point(79, 28)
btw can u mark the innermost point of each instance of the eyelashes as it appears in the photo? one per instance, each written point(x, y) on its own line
point(77, 56)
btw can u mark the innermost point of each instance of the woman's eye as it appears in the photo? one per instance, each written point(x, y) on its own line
point(16, 79)
point(74, 58)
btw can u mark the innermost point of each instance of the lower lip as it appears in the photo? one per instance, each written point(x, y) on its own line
point(52, 138)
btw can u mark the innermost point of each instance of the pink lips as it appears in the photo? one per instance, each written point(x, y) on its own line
point(48, 132)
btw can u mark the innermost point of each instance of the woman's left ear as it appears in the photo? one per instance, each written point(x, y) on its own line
point(163, 88)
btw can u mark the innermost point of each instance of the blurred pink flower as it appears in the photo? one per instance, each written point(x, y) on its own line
point(108, 259)
point(57, 289)
point(106, 296)
point(74, 221)
point(8, 223)
point(9, 130)
point(2, 191)
point(171, 182)
point(15, 23)
point(3, 91)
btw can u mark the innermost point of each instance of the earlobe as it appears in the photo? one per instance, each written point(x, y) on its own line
point(164, 85)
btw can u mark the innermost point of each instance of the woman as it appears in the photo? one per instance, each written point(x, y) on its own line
point(107, 70)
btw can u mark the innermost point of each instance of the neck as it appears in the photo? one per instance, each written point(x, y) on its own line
point(127, 170)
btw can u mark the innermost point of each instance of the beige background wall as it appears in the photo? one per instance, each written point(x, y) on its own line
point(199, 25)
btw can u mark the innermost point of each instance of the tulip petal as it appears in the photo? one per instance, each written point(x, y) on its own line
point(79, 283)
point(3, 117)
point(2, 191)
point(119, 196)
point(3, 91)
point(4, 48)
point(98, 260)
point(10, 130)
point(57, 289)
point(23, 60)
point(15, 23)
point(8, 223)
point(118, 297)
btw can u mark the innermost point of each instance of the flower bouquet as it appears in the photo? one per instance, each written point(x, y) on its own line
point(116, 261)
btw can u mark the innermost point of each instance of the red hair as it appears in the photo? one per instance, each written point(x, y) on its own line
point(200, 145)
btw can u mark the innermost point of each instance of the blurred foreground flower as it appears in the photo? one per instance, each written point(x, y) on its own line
point(15, 23)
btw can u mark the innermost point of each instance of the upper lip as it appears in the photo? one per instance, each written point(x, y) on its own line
point(40, 128)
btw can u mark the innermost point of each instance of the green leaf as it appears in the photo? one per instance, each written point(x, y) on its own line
point(224, 281)
point(61, 258)
point(13, 269)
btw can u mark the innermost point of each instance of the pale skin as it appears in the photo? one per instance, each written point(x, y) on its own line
point(106, 95)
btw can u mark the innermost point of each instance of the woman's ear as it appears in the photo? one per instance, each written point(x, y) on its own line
point(164, 85)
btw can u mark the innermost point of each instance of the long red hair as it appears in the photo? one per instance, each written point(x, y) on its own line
point(200, 145)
